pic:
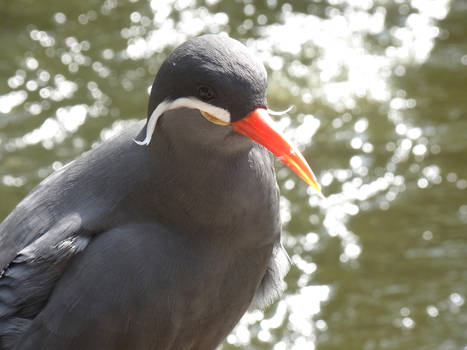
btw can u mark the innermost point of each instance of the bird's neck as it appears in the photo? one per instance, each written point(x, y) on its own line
point(211, 192)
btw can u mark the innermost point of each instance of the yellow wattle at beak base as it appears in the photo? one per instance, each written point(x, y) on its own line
point(213, 119)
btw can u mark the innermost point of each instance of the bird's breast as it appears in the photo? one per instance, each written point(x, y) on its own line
point(235, 200)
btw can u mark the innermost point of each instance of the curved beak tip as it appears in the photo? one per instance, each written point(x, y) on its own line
point(319, 193)
point(316, 187)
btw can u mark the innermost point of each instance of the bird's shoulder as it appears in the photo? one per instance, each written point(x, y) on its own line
point(75, 190)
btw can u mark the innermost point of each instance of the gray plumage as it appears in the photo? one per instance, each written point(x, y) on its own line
point(145, 247)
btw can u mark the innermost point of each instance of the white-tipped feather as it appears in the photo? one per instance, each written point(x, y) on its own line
point(182, 102)
point(271, 112)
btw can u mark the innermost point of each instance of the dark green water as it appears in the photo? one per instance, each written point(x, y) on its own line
point(381, 113)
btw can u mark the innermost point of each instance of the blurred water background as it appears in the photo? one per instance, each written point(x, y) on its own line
point(380, 95)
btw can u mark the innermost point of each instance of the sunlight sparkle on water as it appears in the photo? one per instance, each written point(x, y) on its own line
point(53, 130)
point(11, 100)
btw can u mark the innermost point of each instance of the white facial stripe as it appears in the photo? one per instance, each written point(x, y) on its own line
point(187, 102)
point(271, 112)
point(151, 125)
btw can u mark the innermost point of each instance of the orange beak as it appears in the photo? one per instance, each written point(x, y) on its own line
point(259, 127)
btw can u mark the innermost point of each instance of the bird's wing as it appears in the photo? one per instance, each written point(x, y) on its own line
point(113, 295)
point(52, 224)
point(27, 282)
point(32, 217)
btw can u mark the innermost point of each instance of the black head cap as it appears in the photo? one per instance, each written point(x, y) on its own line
point(216, 69)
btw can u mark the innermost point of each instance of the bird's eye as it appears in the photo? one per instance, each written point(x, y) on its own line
point(206, 93)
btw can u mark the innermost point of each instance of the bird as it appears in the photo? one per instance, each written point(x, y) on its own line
point(162, 237)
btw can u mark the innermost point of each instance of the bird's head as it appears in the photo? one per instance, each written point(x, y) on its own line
point(222, 79)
